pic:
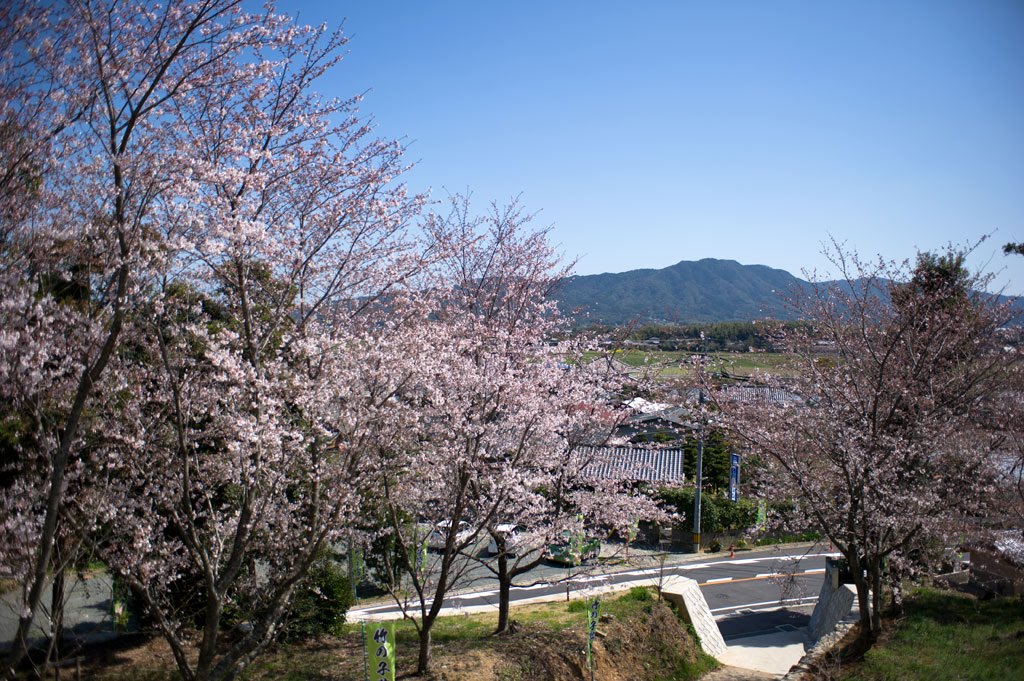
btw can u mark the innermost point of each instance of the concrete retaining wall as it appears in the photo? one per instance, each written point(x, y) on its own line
point(835, 605)
point(686, 595)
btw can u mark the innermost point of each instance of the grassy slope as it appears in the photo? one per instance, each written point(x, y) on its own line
point(946, 637)
point(643, 640)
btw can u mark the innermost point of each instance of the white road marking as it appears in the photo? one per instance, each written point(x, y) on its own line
point(667, 570)
point(776, 603)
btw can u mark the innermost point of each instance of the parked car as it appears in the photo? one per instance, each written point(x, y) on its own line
point(439, 534)
point(511, 533)
point(517, 540)
point(574, 550)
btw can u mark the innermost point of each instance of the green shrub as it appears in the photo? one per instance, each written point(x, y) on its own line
point(718, 514)
point(783, 538)
point(736, 515)
point(579, 605)
point(320, 603)
point(639, 593)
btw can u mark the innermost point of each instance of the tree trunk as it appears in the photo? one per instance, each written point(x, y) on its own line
point(504, 594)
point(57, 591)
point(875, 572)
point(504, 583)
point(208, 642)
point(57, 609)
point(863, 597)
point(423, 662)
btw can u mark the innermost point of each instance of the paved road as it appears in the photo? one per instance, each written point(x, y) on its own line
point(734, 588)
point(742, 593)
point(87, 612)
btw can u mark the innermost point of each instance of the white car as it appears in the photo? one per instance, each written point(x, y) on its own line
point(511, 533)
point(439, 535)
point(517, 540)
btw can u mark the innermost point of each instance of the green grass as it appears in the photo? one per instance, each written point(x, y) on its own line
point(950, 637)
point(341, 657)
point(579, 605)
point(446, 629)
point(748, 362)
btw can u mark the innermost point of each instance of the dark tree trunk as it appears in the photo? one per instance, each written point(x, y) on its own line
point(504, 590)
point(867, 632)
point(208, 642)
point(423, 662)
point(57, 608)
point(875, 573)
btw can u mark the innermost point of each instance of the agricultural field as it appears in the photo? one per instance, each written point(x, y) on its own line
point(677, 363)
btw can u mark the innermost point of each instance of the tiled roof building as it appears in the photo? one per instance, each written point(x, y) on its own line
point(634, 464)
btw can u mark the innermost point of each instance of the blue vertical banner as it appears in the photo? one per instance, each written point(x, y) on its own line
point(734, 477)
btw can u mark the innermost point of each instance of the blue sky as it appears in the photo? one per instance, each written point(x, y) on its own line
point(646, 133)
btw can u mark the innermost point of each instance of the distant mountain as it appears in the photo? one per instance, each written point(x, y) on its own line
point(707, 290)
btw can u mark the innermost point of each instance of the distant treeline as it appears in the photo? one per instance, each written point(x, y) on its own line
point(739, 336)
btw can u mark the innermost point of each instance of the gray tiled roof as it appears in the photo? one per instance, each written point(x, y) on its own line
point(633, 463)
point(757, 394)
point(761, 394)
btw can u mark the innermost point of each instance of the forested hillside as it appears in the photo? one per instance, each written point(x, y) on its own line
point(689, 292)
point(706, 290)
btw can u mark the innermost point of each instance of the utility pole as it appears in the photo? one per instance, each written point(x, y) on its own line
point(696, 497)
point(700, 474)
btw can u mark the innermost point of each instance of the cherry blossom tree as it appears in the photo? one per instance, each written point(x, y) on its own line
point(498, 407)
point(485, 394)
point(197, 251)
point(293, 230)
point(88, 90)
point(231, 481)
point(896, 368)
point(564, 499)
point(1008, 417)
